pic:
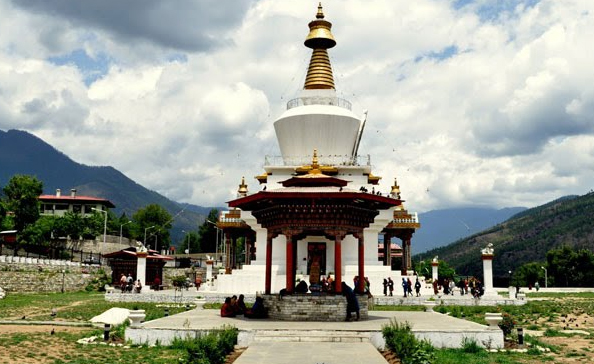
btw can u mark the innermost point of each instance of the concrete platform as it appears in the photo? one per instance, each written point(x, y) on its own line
point(314, 353)
point(441, 330)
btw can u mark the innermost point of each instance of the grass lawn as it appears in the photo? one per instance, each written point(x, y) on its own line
point(70, 306)
point(35, 344)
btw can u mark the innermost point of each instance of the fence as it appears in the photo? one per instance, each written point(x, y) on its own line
point(54, 253)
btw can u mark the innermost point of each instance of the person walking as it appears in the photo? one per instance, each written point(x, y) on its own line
point(391, 286)
point(385, 287)
point(418, 287)
point(409, 286)
point(404, 287)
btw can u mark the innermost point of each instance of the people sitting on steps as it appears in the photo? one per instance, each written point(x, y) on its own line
point(257, 310)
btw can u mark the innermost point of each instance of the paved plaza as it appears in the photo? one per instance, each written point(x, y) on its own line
point(272, 341)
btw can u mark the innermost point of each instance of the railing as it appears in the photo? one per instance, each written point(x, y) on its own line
point(414, 219)
point(230, 220)
point(30, 252)
point(334, 160)
point(309, 100)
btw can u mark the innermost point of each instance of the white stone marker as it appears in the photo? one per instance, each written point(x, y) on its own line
point(209, 270)
point(434, 269)
point(487, 257)
point(141, 266)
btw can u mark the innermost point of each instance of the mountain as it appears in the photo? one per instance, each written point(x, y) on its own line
point(525, 237)
point(441, 227)
point(24, 153)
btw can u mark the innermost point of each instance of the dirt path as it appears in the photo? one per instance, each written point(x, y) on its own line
point(13, 329)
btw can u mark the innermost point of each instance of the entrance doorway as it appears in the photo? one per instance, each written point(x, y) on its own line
point(316, 258)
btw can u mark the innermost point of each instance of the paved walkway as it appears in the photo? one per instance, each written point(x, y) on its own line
point(310, 353)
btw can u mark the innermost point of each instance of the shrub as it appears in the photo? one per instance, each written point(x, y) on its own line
point(469, 345)
point(507, 325)
point(211, 348)
point(98, 282)
point(400, 339)
point(178, 281)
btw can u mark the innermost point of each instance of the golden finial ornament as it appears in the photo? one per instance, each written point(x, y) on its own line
point(320, 39)
point(243, 190)
point(314, 161)
point(395, 190)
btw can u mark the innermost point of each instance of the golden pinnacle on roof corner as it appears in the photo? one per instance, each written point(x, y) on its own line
point(243, 190)
point(395, 192)
point(320, 39)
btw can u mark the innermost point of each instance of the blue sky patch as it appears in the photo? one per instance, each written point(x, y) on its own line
point(91, 68)
point(491, 10)
point(443, 54)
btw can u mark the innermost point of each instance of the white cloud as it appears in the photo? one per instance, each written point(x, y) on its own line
point(475, 105)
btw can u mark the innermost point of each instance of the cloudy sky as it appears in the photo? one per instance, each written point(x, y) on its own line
point(485, 102)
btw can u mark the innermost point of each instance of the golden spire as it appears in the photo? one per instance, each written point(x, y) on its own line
point(395, 190)
point(315, 165)
point(242, 191)
point(320, 38)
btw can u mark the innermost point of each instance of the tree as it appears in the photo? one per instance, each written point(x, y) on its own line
point(156, 222)
point(126, 225)
point(39, 233)
point(570, 268)
point(22, 198)
point(527, 274)
point(3, 219)
point(191, 241)
point(207, 233)
point(424, 268)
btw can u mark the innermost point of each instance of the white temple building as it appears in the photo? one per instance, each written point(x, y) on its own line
point(319, 138)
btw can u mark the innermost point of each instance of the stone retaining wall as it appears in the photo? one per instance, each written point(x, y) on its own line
point(152, 298)
point(307, 307)
point(33, 275)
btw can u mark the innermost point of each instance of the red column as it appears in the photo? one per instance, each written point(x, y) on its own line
point(338, 263)
point(388, 250)
point(408, 253)
point(406, 260)
point(268, 278)
point(361, 285)
point(290, 283)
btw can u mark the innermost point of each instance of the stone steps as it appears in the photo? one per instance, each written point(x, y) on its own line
point(310, 336)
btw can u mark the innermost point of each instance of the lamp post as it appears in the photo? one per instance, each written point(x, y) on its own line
point(63, 277)
point(188, 241)
point(217, 239)
point(104, 227)
point(121, 227)
point(145, 229)
point(546, 277)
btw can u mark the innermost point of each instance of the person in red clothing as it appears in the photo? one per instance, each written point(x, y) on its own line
point(157, 284)
point(227, 309)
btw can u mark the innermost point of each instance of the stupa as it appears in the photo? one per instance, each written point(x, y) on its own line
point(318, 211)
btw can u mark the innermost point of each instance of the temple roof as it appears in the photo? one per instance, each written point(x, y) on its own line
point(132, 252)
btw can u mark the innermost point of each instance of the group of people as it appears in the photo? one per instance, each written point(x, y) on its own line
point(128, 284)
point(407, 287)
point(235, 306)
point(366, 286)
point(472, 286)
point(327, 284)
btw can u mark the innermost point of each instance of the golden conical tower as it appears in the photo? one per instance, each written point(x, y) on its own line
point(320, 39)
point(395, 192)
point(242, 191)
